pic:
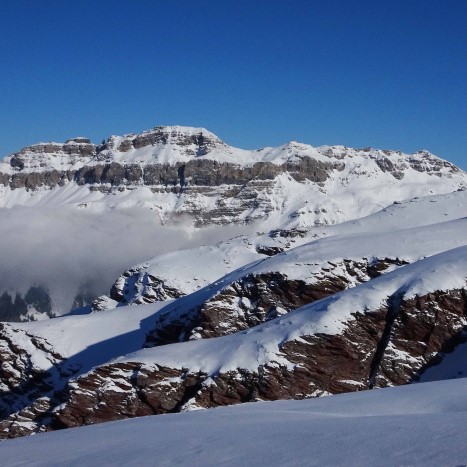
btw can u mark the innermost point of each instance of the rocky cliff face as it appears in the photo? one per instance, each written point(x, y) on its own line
point(78, 160)
point(387, 347)
point(190, 171)
point(257, 298)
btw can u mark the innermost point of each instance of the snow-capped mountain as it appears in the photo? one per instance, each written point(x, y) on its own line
point(188, 176)
point(351, 277)
point(181, 171)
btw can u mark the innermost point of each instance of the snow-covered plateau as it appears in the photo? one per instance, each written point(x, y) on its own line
point(314, 272)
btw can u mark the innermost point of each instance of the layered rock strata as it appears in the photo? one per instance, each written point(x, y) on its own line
point(210, 181)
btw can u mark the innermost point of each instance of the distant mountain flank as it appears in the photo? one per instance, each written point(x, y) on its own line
point(183, 171)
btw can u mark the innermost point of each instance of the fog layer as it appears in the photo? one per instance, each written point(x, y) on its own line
point(63, 248)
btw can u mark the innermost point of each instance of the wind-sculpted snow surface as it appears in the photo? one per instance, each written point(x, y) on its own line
point(388, 427)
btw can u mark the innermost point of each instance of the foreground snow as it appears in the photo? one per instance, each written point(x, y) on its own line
point(422, 424)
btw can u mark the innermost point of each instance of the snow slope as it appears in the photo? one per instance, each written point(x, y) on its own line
point(105, 348)
point(209, 263)
point(261, 344)
point(346, 195)
point(91, 340)
point(201, 271)
point(406, 244)
point(422, 424)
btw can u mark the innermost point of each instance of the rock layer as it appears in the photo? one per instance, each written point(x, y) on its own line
point(208, 180)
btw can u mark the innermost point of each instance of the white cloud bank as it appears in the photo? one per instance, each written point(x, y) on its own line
point(63, 248)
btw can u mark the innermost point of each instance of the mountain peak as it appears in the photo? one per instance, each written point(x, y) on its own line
point(150, 156)
point(78, 140)
point(193, 141)
point(183, 130)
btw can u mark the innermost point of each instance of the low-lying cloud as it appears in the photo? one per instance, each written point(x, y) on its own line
point(63, 248)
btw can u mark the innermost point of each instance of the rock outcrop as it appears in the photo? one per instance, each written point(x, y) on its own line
point(381, 347)
point(245, 302)
point(386, 347)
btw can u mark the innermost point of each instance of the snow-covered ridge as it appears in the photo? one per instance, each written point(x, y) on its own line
point(261, 344)
point(180, 172)
point(322, 348)
point(177, 144)
point(93, 367)
point(444, 271)
point(395, 232)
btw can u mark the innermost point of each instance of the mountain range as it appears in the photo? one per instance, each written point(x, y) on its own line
point(177, 171)
point(183, 177)
point(350, 275)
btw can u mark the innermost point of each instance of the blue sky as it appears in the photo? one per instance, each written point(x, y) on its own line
point(387, 74)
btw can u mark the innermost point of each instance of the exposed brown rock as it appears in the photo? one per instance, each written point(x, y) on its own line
point(418, 330)
point(252, 300)
point(323, 364)
point(424, 326)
